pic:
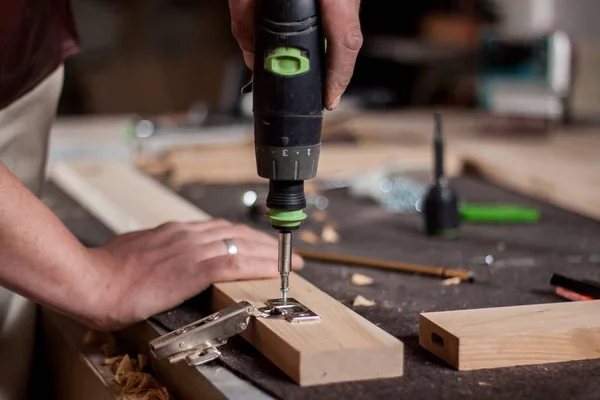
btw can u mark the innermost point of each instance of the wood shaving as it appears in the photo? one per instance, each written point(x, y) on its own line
point(309, 237)
point(361, 301)
point(142, 386)
point(361, 280)
point(123, 368)
point(319, 215)
point(451, 281)
point(113, 362)
point(329, 234)
point(134, 384)
point(138, 381)
point(481, 383)
point(154, 394)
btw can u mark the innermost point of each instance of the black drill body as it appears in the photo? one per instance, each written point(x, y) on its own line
point(288, 98)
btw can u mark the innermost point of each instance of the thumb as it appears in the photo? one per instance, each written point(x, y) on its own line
point(242, 27)
point(341, 26)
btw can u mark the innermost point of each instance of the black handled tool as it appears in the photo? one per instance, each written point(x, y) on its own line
point(440, 205)
point(288, 111)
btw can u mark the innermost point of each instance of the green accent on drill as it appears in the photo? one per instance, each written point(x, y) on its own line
point(286, 219)
point(498, 213)
point(287, 61)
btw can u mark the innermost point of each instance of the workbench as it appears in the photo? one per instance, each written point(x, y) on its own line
point(525, 258)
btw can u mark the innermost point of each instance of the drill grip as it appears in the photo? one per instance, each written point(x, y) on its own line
point(288, 88)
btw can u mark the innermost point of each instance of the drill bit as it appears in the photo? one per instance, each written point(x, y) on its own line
point(285, 261)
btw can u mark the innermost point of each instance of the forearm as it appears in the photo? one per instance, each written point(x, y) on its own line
point(39, 257)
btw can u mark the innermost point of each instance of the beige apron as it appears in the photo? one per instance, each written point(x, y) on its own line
point(24, 134)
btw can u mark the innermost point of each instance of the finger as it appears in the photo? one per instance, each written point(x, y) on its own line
point(297, 262)
point(245, 247)
point(344, 39)
point(224, 268)
point(235, 232)
point(177, 232)
point(174, 226)
point(204, 226)
point(213, 245)
point(242, 27)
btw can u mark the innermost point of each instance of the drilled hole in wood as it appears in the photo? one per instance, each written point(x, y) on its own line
point(437, 339)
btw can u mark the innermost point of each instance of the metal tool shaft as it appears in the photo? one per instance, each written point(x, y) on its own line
point(285, 261)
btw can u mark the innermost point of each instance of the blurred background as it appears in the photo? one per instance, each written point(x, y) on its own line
point(165, 56)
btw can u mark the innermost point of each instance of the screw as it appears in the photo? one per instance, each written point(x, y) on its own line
point(242, 326)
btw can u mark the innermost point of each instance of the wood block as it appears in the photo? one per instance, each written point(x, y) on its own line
point(512, 336)
point(343, 346)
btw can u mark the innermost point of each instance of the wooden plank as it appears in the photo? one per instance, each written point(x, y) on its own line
point(122, 198)
point(342, 347)
point(238, 165)
point(512, 336)
point(563, 171)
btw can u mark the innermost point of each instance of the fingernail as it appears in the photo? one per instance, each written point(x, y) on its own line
point(335, 103)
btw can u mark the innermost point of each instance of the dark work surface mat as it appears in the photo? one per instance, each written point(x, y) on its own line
point(525, 258)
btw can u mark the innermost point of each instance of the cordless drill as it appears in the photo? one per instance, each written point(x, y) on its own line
point(288, 111)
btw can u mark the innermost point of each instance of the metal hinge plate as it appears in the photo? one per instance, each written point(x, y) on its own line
point(197, 342)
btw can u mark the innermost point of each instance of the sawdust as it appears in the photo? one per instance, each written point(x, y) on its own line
point(361, 280)
point(309, 237)
point(134, 383)
point(451, 281)
point(129, 375)
point(329, 234)
point(319, 215)
point(360, 301)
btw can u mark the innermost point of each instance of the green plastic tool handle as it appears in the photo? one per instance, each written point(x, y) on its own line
point(498, 213)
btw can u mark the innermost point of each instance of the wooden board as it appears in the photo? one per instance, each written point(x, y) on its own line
point(512, 336)
point(342, 347)
point(122, 198)
point(237, 164)
point(561, 168)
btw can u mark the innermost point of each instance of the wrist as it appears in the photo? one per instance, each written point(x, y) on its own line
point(101, 310)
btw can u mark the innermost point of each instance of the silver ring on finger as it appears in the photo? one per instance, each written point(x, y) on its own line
point(231, 247)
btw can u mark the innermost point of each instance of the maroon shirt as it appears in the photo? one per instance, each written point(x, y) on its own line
point(35, 38)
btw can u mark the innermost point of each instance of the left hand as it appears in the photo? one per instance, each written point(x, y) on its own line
point(144, 273)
